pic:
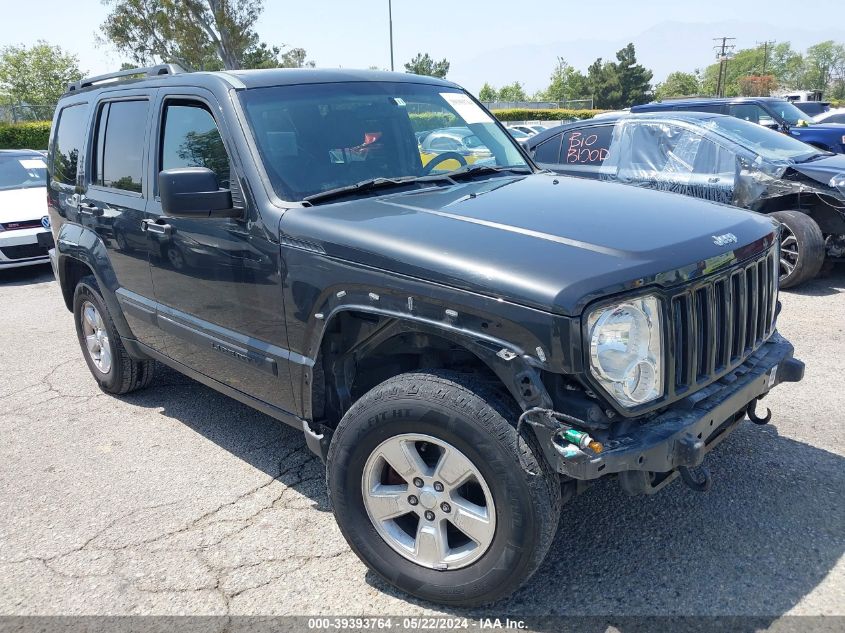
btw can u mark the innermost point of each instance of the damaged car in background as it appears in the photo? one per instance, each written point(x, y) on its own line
point(722, 159)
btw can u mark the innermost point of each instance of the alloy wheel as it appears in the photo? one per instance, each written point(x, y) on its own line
point(428, 501)
point(96, 337)
point(788, 251)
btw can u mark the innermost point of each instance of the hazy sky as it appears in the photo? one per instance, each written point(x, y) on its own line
point(481, 39)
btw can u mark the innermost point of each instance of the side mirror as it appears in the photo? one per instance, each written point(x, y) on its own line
point(193, 192)
point(774, 125)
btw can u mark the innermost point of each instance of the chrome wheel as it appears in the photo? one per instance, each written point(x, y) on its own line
point(788, 251)
point(428, 501)
point(96, 337)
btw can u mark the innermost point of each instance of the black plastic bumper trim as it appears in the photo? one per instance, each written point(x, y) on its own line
point(683, 434)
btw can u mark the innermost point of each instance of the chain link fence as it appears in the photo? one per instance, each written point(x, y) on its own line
point(20, 113)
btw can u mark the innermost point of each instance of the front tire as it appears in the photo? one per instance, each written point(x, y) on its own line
point(802, 248)
point(114, 370)
point(433, 492)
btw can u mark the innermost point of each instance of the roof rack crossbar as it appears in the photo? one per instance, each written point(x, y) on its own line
point(148, 71)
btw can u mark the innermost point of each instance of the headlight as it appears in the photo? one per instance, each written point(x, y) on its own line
point(838, 181)
point(625, 350)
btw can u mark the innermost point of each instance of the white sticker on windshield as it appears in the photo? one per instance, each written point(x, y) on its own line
point(466, 108)
point(33, 163)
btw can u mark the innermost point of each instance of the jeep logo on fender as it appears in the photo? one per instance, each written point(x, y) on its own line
point(724, 239)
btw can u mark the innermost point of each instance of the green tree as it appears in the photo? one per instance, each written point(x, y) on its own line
point(566, 83)
point(787, 66)
point(196, 34)
point(36, 75)
point(634, 78)
point(604, 86)
point(748, 61)
point(619, 84)
point(822, 63)
point(512, 92)
point(488, 93)
point(423, 64)
point(678, 84)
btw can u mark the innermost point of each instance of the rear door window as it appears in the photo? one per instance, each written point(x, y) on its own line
point(118, 158)
point(67, 143)
point(587, 146)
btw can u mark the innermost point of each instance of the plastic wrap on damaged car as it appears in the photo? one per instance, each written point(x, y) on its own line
point(676, 157)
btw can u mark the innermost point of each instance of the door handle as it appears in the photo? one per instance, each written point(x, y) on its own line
point(152, 226)
point(86, 208)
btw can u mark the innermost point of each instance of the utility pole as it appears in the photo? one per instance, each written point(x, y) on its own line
point(723, 53)
point(766, 46)
point(390, 17)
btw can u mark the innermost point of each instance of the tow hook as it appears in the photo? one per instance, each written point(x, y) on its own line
point(752, 414)
point(697, 478)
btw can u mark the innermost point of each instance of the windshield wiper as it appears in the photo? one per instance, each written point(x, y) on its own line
point(475, 170)
point(373, 183)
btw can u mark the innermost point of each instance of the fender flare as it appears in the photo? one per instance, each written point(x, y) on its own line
point(518, 371)
point(75, 242)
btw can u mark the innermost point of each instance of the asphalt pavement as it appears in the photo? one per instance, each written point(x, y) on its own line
point(178, 500)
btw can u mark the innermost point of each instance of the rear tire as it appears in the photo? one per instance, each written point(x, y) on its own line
point(114, 370)
point(802, 248)
point(443, 413)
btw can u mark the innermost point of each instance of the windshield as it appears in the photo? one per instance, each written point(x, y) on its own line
point(771, 145)
point(22, 171)
point(320, 137)
point(789, 113)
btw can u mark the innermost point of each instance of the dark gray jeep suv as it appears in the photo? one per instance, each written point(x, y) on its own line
point(464, 340)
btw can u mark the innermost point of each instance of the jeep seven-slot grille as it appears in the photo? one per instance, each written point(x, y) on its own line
point(718, 323)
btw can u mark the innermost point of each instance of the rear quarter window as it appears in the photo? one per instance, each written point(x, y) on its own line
point(549, 150)
point(67, 144)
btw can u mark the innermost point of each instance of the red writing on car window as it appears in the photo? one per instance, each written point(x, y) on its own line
point(581, 149)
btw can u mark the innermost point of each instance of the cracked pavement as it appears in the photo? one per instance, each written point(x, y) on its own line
point(178, 500)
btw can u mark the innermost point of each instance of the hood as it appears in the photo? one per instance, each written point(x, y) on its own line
point(551, 242)
point(17, 205)
point(823, 169)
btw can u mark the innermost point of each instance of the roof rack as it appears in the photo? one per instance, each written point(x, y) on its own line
point(149, 71)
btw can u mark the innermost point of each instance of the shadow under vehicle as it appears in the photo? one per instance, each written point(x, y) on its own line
point(717, 158)
point(466, 346)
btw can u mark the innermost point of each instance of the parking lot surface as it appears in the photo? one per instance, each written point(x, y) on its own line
point(178, 500)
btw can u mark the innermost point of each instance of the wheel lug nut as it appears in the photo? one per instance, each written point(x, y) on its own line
point(429, 515)
point(418, 482)
point(438, 486)
point(445, 507)
point(413, 500)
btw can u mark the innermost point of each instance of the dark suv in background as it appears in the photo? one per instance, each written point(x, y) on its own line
point(774, 113)
point(466, 346)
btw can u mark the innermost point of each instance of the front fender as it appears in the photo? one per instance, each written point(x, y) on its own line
point(514, 342)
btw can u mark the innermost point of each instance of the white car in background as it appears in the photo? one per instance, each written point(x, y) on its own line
point(834, 115)
point(24, 224)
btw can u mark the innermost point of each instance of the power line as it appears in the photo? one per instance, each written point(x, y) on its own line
point(390, 17)
point(766, 46)
point(724, 51)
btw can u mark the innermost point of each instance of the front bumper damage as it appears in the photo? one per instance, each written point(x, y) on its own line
point(646, 454)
